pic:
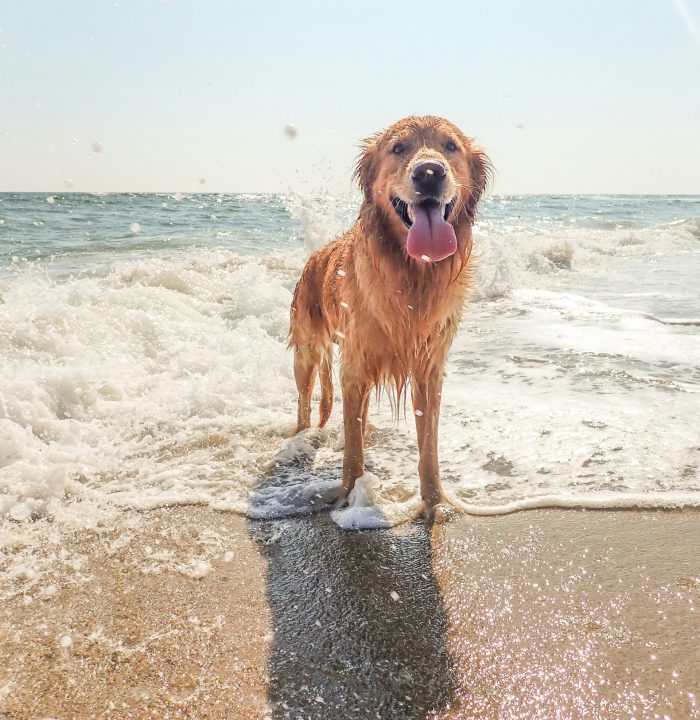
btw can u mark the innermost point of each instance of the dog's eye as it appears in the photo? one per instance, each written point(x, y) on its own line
point(450, 146)
point(397, 149)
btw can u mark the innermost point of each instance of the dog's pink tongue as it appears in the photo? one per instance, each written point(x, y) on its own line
point(431, 237)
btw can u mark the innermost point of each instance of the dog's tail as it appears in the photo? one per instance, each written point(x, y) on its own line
point(326, 377)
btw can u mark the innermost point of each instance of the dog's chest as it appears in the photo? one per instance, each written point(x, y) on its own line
point(403, 322)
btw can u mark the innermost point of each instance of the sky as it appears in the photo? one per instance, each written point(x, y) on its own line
point(566, 96)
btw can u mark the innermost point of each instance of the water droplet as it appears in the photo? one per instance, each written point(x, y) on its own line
point(135, 228)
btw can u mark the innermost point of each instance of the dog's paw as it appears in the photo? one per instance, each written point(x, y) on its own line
point(337, 497)
point(437, 513)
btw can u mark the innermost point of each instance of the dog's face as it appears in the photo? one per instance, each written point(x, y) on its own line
point(425, 175)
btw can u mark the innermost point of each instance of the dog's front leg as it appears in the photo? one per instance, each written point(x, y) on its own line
point(426, 389)
point(355, 401)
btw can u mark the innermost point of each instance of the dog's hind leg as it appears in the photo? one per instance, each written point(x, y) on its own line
point(326, 389)
point(305, 366)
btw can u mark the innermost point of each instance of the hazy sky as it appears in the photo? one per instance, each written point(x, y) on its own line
point(590, 96)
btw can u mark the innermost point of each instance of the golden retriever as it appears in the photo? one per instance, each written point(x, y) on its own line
point(390, 291)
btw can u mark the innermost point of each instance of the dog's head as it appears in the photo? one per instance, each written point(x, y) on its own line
point(425, 177)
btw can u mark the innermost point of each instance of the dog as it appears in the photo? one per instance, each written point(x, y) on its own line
point(390, 291)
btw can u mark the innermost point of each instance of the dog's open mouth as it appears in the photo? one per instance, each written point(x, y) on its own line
point(430, 237)
point(407, 213)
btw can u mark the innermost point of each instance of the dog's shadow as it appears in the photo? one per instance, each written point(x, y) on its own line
point(358, 621)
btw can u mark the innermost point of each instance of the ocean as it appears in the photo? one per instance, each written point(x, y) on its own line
point(144, 363)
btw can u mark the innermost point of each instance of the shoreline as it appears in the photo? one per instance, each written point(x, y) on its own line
point(187, 612)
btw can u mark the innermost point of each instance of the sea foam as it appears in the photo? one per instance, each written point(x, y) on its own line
point(164, 378)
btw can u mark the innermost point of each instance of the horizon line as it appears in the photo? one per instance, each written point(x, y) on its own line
point(171, 193)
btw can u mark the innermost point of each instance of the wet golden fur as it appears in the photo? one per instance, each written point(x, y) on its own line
point(393, 318)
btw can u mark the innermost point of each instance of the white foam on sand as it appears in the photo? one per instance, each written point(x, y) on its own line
point(368, 508)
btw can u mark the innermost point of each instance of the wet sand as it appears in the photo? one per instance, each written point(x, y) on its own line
point(190, 613)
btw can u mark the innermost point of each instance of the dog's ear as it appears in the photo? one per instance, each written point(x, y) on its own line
point(480, 169)
point(366, 168)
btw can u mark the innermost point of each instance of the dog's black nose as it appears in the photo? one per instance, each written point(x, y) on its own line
point(427, 176)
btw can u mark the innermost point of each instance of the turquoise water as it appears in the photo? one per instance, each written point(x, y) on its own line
point(144, 360)
point(77, 230)
point(39, 226)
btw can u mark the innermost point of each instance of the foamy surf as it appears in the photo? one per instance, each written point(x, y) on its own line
point(597, 501)
point(160, 376)
point(368, 509)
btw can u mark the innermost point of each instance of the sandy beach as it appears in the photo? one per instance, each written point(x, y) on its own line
point(190, 613)
point(252, 254)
